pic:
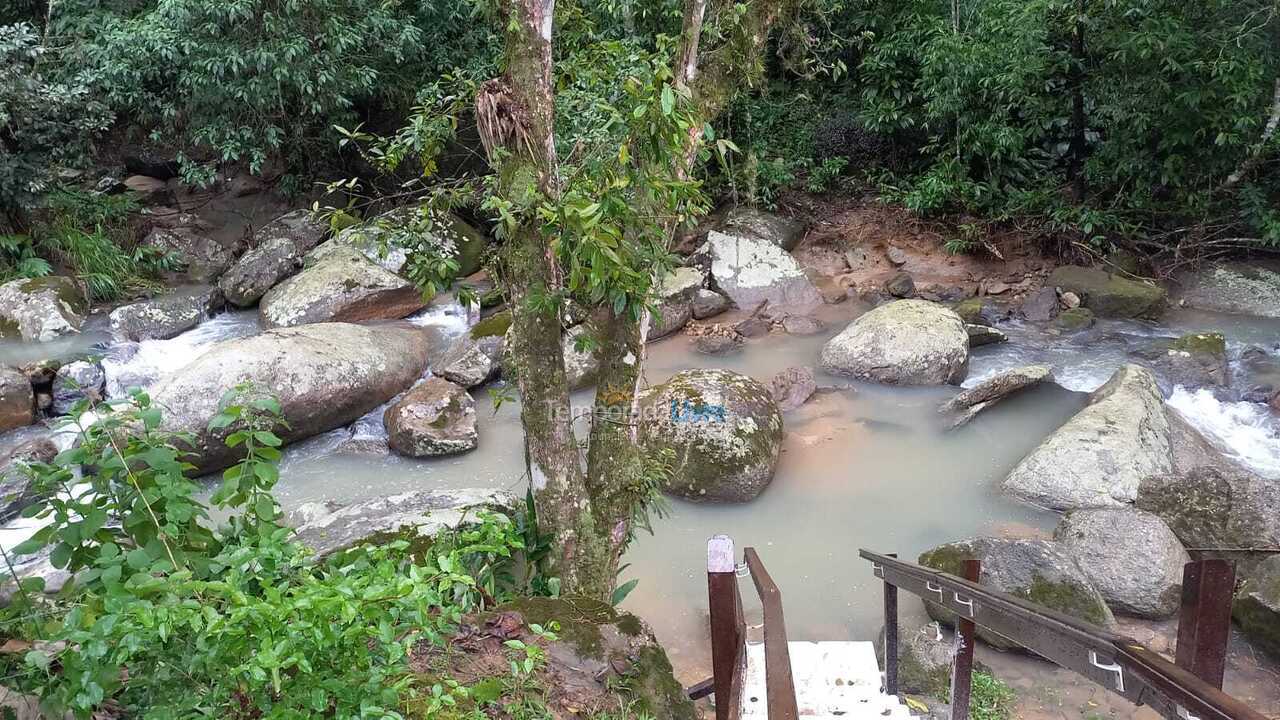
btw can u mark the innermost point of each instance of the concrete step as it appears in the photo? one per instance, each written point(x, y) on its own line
point(832, 679)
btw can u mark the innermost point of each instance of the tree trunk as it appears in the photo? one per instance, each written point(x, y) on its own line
point(1259, 153)
point(1079, 145)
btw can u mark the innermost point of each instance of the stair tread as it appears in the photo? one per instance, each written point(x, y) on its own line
point(832, 680)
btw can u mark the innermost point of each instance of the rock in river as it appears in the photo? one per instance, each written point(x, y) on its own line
point(17, 400)
point(325, 375)
point(343, 286)
point(906, 342)
point(435, 418)
point(41, 309)
point(277, 253)
point(1249, 289)
point(1257, 606)
point(77, 381)
point(409, 516)
point(751, 271)
point(968, 404)
point(1215, 507)
point(673, 299)
point(1036, 570)
point(165, 316)
point(1109, 295)
point(1130, 556)
point(723, 430)
point(750, 222)
point(1194, 360)
point(1099, 456)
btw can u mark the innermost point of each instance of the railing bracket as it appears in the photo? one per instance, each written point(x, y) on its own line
point(1185, 714)
point(934, 588)
point(741, 570)
point(1109, 667)
point(878, 570)
point(967, 603)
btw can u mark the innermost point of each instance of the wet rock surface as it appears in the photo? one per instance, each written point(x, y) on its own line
point(343, 286)
point(1130, 556)
point(907, 342)
point(42, 309)
point(435, 418)
point(968, 404)
point(167, 315)
point(17, 400)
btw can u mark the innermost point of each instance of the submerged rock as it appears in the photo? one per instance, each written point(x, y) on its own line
point(17, 399)
point(792, 387)
point(1249, 289)
point(166, 316)
point(1130, 556)
point(344, 286)
point(42, 309)
point(1109, 295)
point(1098, 458)
point(1075, 319)
point(278, 249)
point(77, 381)
point(723, 430)
point(325, 376)
point(1194, 360)
point(1257, 606)
point(1036, 570)
point(435, 418)
point(753, 271)
point(750, 222)
point(413, 516)
point(725, 342)
point(907, 342)
point(969, 403)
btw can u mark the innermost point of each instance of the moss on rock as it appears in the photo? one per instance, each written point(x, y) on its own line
point(496, 325)
point(1110, 295)
point(1257, 606)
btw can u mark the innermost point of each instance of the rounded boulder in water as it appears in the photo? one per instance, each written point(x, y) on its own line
point(907, 342)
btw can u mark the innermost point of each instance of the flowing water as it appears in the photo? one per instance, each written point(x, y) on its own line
point(863, 466)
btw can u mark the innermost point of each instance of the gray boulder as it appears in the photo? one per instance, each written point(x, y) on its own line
point(906, 342)
point(1130, 556)
point(750, 222)
point(42, 309)
point(77, 381)
point(435, 418)
point(412, 516)
point(1248, 289)
point(580, 364)
point(792, 387)
point(325, 375)
point(472, 361)
point(389, 239)
point(1256, 608)
point(1194, 360)
point(721, 430)
point(1215, 506)
point(673, 300)
point(163, 317)
point(278, 249)
point(752, 271)
point(968, 404)
point(1035, 570)
point(17, 400)
point(980, 335)
point(708, 303)
point(203, 258)
point(1109, 295)
point(343, 286)
point(1098, 458)
point(1040, 306)
point(17, 485)
point(925, 655)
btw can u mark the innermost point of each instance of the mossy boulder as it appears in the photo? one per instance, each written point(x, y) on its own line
point(1110, 295)
point(1035, 570)
point(906, 342)
point(1248, 288)
point(925, 654)
point(1194, 360)
point(390, 238)
point(601, 659)
point(1074, 319)
point(1215, 507)
point(435, 418)
point(42, 309)
point(722, 429)
point(1257, 606)
point(496, 325)
point(342, 286)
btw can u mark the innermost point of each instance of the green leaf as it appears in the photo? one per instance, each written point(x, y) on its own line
point(668, 100)
point(622, 591)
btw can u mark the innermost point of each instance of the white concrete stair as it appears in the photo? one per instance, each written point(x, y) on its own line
point(836, 680)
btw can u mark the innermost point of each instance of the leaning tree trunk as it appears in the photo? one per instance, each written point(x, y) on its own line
point(515, 115)
point(1079, 144)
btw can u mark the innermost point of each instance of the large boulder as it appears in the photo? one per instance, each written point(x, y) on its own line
point(1257, 606)
point(1215, 507)
point(752, 271)
point(18, 487)
point(42, 309)
point(722, 429)
point(343, 286)
point(750, 222)
point(1035, 570)
point(17, 400)
point(1248, 289)
point(76, 381)
point(325, 375)
point(1130, 556)
point(674, 301)
point(968, 404)
point(163, 317)
point(1194, 360)
point(435, 418)
point(278, 249)
point(414, 516)
point(906, 342)
point(1109, 295)
point(1098, 458)
point(203, 258)
point(390, 238)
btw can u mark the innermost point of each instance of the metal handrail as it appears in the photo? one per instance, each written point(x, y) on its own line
point(1118, 663)
point(779, 683)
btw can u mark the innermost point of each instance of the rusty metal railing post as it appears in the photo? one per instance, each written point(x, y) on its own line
point(891, 637)
point(728, 628)
point(780, 686)
point(1204, 621)
point(962, 669)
